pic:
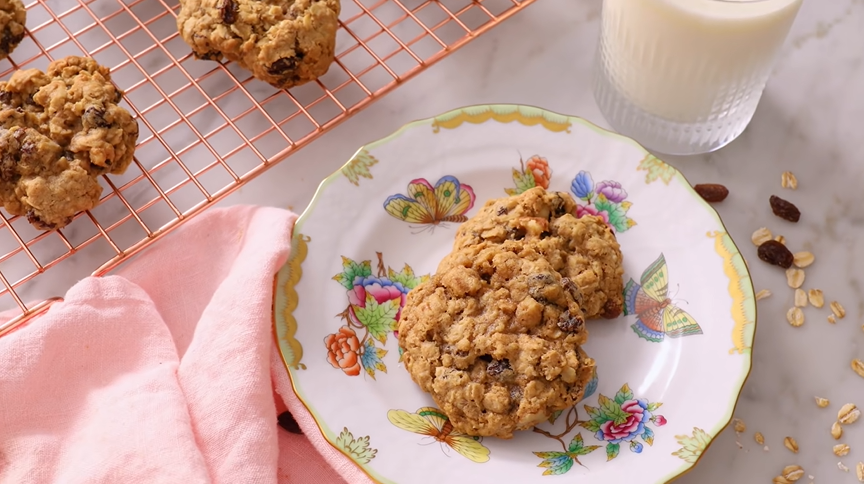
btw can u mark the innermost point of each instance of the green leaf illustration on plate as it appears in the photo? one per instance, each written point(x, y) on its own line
point(350, 271)
point(356, 449)
point(371, 358)
point(557, 463)
point(693, 446)
point(406, 277)
point(359, 167)
point(379, 319)
point(657, 169)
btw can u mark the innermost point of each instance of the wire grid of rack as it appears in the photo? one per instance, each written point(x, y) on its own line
point(206, 128)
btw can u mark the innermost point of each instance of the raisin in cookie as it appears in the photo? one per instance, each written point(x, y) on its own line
point(59, 130)
point(583, 250)
point(13, 17)
point(283, 42)
point(495, 340)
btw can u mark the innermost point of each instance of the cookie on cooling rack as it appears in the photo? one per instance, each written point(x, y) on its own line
point(495, 340)
point(60, 130)
point(13, 17)
point(584, 250)
point(283, 42)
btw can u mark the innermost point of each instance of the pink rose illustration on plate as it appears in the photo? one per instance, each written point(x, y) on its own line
point(623, 419)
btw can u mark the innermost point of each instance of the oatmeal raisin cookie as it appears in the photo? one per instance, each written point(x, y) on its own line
point(59, 130)
point(583, 250)
point(283, 42)
point(495, 340)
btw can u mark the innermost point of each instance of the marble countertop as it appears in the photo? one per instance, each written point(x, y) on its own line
point(809, 122)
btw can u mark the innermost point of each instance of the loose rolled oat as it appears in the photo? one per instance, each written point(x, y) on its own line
point(782, 240)
point(795, 317)
point(800, 298)
point(858, 367)
point(764, 293)
point(841, 450)
point(795, 277)
point(832, 319)
point(760, 439)
point(838, 310)
point(822, 402)
point(788, 180)
point(780, 480)
point(791, 444)
point(848, 414)
point(836, 430)
point(816, 297)
point(859, 471)
point(740, 426)
point(803, 259)
point(760, 236)
point(793, 473)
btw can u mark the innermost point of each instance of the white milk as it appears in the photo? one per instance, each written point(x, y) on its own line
point(692, 61)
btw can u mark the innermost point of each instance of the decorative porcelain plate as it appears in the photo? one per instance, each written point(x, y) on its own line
point(669, 371)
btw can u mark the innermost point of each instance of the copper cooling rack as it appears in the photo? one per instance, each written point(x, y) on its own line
point(206, 128)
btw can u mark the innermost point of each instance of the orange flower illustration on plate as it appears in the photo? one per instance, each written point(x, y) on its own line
point(342, 348)
point(532, 173)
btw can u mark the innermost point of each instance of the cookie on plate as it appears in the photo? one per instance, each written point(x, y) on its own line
point(583, 250)
point(495, 339)
point(283, 42)
point(13, 17)
point(60, 130)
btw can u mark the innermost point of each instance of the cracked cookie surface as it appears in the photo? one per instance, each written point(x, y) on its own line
point(282, 42)
point(583, 250)
point(13, 18)
point(60, 130)
point(495, 340)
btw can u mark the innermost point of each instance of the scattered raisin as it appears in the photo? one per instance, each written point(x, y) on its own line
point(229, 10)
point(287, 422)
point(502, 211)
point(783, 209)
point(5, 97)
point(712, 192)
point(773, 252)
point(570, 323)
point(497, 367)
point(486, 358)
point(69, 155)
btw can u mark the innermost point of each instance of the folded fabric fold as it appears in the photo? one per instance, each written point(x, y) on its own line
point(165, 372)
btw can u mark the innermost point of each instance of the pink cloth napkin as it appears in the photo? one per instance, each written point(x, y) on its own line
point(166, 372)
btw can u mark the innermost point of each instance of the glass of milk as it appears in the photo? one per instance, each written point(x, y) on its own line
point(685, 76)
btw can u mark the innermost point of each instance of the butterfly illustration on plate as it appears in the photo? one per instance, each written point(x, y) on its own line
point(433, 423)
point(656, 315)
point(448, 201)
